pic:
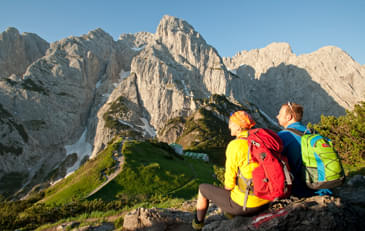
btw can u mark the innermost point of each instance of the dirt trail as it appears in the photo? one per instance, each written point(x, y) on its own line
point(120, 161)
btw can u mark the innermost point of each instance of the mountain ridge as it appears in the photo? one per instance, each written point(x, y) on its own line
point(85, 89)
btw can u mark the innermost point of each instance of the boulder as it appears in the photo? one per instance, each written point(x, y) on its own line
point(343, 211)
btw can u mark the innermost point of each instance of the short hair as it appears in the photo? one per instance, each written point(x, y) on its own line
point(294, 109)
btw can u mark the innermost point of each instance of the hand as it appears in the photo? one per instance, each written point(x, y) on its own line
point(226, 188)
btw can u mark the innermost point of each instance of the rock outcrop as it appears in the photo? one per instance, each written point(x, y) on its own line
point(344, 211)
point(50, 111)
point(74, 96)
point(327, 81)
point(18, 51)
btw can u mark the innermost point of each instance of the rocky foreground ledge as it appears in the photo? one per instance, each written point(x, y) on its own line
point(343, 211)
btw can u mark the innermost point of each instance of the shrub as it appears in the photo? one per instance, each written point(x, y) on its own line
point(347, 133)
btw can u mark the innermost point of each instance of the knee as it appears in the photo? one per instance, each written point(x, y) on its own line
point(202, 187)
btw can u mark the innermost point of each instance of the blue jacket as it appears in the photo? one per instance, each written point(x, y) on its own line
point(292, 150)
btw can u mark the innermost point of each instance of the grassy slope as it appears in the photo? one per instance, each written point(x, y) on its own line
point(84, 180)
point(149, 172)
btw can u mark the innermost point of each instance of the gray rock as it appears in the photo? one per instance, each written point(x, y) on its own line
point(18, 51)
point(55, 103)
point(343, 211)
point(326, 82)
point(61, 98)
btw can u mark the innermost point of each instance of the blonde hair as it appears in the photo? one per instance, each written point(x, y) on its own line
point(294, 109)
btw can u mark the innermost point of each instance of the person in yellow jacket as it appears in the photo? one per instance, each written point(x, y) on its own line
point(231, 198)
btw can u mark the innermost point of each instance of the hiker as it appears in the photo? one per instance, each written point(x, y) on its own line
point(290, 116)
point(231, 198)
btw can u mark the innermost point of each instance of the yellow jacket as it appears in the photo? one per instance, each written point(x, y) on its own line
point(236, 156)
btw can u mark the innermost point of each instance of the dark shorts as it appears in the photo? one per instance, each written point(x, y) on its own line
point(222, 198)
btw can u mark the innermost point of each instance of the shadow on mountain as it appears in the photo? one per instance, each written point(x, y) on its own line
point(285, 83)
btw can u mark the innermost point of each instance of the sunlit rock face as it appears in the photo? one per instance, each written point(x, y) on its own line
point(327, 81)
point(18, 51)
point(72, 97)
point(50, 110)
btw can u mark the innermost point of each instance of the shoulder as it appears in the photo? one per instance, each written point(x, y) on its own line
point(237, 145)
point(238, 142)
point(284, 134)
point(298, 126)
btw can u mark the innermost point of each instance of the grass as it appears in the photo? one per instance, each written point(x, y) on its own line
point(151, 174)
point(154, 175)
point(83, 219)
point(84, 180)
point(116, 109)
point(351, 170)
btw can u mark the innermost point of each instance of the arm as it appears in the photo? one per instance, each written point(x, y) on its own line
point(231, 167)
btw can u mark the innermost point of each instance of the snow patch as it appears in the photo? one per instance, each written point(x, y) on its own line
point(124, 74)
point(138, 48)
point(125, 123)
point(98, 84)
point(81, 148)
point(195, 155)
point(177, 148)
point(187, 93)
point(234, 71)
point(147, 128)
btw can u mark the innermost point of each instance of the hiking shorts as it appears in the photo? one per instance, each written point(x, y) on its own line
point(222, 198)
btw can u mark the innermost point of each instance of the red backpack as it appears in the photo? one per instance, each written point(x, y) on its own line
point(271, 179)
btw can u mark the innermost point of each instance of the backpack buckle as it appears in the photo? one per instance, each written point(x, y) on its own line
point(255, 143)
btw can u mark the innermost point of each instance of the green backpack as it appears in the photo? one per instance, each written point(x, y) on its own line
point(322, 168)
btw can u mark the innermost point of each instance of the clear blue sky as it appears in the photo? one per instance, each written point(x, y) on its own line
point(229, 26)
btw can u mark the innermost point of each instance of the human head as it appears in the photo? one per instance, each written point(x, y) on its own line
point(240, 121)
point(289, 113)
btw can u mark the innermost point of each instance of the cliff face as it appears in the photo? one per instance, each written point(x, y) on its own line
point(18, 51)
point(327, 81)
point(50, 110)
point(72, 97)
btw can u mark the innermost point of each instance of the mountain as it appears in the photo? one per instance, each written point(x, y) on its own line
point(18, 51)
point(46, 112)
point(69, 99)
point(327, 81)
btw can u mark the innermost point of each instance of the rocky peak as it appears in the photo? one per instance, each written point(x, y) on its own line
point(55, 103)
point(181, 39)
point(138, 40)
point(98, 33)
point(18, 51)
point(261, 59)
point(274, 75)
point(65, 95)
point(170, 26)
point(11, 32)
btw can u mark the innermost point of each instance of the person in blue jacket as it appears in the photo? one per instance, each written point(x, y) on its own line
point(290, 116)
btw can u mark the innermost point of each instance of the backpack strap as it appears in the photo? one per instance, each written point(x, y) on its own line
point(249, 188)
point(299, 133)
point(295, 131)
point(288, 176)
point(248, 182)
